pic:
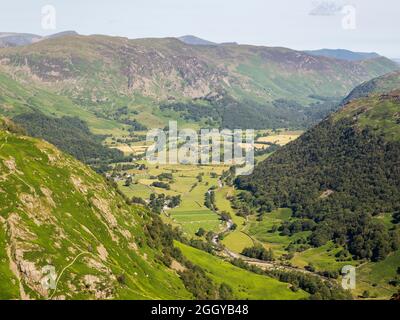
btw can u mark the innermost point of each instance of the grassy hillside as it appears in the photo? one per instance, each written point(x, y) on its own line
point(20, 98)
point(377, 113)
point(168, 67)
point(57, 119)
point(341, 181)
point(56, 211)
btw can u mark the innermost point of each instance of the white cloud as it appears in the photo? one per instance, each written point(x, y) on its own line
point(326, 8)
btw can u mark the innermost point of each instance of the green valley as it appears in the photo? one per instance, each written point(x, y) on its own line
point(56, 212)
point(84, 214)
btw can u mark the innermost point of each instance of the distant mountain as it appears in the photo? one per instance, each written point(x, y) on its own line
point(397, 61)
point(62, 34)
point(9, 39)
point(343, 54)
point(229, 43)
point(234, 86)
point(17, 39)
point(192, 40)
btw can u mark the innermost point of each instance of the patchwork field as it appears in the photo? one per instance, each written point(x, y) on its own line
point(134, 150)
point(192, 214)
point(191, 182)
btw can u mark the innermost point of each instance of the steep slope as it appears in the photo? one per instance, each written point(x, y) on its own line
point(105, 74)
point(21, 98)
point(385, 83)
point(59, 121)
point(56, 212)
point(340, 174)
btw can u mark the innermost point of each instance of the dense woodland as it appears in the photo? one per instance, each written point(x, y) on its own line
point(232, 114)
point(71, 135)
point(339, 178)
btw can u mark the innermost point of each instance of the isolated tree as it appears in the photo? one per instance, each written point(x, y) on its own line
point(201, 232)
point(128, 182)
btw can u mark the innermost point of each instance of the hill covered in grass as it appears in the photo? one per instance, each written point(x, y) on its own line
point(17, 98)
point(338, 176)
point(383, 84)
point(58, 120)
point(54, 211)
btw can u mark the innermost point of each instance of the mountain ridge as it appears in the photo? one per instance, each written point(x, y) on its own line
point(196, 41)
point(14, 39)
point(103, 74)
point(343, 54)
point(198, 57)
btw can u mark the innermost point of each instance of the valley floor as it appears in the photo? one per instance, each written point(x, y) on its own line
point(193, 182)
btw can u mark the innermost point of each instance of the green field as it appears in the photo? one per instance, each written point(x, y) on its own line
point(263, 230)
point(245, 284)
point(375, 277)
point(235, 240)
point(322, 258)
point(191, 214)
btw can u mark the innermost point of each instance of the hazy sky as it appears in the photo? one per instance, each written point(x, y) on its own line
point(297, 24)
